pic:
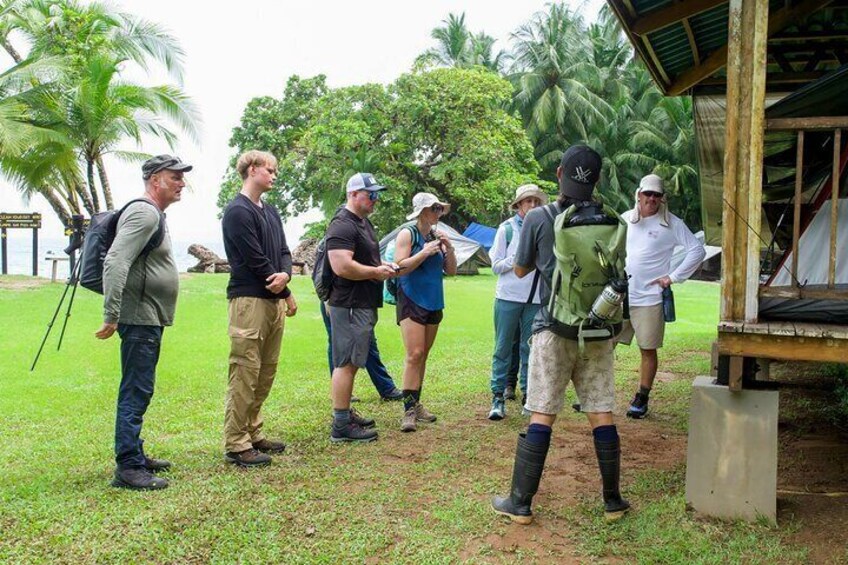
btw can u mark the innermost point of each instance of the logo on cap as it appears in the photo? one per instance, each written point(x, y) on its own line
point(581, 174)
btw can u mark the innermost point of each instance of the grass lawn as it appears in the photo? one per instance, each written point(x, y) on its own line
point(418, 498)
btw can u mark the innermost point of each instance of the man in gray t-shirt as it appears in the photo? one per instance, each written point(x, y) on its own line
point(557, 360)
point(139, 298)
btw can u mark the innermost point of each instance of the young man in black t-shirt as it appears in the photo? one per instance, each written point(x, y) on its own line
point(354, 254)
point(259, 302)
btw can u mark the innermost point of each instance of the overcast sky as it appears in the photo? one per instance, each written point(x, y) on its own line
point(238, 50)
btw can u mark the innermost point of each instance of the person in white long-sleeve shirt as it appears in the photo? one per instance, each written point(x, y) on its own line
point(516, 299)
point(652, 234)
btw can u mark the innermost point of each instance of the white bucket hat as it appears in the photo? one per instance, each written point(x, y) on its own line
point(528, 191)
point(424, 200)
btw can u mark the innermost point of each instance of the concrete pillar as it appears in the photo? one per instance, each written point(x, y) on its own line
point(731, 458)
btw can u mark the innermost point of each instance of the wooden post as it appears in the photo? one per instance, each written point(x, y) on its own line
point(796, 214)
point(834, 208)
point(5, 251)
point(743, 158)
point(35, 252)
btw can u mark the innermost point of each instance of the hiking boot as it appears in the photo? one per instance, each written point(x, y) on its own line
point(525, 413)
point(154, 465)
point(498, 411)
point(509, 392)
point(638, 407)
point(247, 458)
point(138, 478)
point(360, 420)
point(269, 446)
point(407, 423)
point(422, 414)
point(352, 432)
point(394, 394)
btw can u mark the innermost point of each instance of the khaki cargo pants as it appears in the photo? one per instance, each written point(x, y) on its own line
point(256, 331)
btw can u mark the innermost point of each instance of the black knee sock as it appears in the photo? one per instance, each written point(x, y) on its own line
point(410, 398)
point(538, 434)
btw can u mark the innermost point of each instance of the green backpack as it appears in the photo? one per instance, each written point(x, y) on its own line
point(590, 245)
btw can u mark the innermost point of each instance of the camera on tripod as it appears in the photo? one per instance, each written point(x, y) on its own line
point(77, 228)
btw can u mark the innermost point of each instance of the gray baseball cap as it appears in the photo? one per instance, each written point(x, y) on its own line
point(161, 163)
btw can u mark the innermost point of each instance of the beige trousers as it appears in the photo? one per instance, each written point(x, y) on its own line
point(256, 332)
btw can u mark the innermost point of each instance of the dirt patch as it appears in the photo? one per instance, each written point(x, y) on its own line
point(812, 473)
point(22, 283)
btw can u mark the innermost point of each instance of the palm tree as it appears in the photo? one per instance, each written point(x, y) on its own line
point(70, 28)
point(458, 47)
point(556, 83)
point(89, 108)
point(102, 110)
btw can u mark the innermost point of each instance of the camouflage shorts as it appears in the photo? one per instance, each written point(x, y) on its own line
point(555, 361)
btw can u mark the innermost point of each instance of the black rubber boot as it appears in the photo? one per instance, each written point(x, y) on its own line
point(526, 474)
point(609, 461)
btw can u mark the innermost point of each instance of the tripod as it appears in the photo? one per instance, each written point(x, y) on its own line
point(73, 282)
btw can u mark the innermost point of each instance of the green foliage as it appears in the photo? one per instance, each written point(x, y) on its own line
point(443, 131)
point(277, 126)
point(457, 46)
point(581, 84)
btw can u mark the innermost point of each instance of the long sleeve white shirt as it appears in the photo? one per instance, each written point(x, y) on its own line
point(509, 286)
point(650, 246)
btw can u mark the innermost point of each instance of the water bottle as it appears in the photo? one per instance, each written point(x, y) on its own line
point(668, 304)
point(608, 303)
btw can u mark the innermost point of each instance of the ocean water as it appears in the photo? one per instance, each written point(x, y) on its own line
point(19, 246)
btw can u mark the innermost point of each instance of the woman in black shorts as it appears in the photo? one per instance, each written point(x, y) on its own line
point(424, 256)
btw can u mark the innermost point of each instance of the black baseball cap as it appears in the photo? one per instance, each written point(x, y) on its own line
point(581, 169)
point(161, 163)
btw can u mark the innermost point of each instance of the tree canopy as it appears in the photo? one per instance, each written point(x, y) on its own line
point(444, 131)
point(471, 123)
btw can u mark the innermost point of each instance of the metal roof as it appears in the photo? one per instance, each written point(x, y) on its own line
point(684, 42)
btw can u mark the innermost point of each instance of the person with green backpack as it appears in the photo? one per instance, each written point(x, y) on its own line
point(578, 246)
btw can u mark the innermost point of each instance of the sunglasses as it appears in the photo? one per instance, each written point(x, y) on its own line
point(437, 208)
point(650, 194)
point(373, 195)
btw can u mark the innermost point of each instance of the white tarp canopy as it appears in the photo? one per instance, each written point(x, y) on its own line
point(814, 250)
point(466, 249)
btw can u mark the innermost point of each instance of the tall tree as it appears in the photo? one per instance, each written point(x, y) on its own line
point(553, 74)
point(443, 131)
point(89, 106)
point(456, 46)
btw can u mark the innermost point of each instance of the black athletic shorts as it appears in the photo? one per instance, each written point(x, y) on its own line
point(406, 308)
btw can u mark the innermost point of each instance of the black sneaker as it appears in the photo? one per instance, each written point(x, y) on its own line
point(352, 432)
point(360, 420)
point(394, 394)
point(639, 407)
point(247, 458)
point(138, 478)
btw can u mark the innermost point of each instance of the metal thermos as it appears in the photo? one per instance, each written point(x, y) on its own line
point(668, 305)
point(608, 304)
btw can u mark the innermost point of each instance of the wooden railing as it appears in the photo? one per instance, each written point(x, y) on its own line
point(801, 125)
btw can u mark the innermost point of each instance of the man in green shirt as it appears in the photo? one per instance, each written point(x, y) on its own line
point(139, 298)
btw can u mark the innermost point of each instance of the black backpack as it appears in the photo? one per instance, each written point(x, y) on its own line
point(322, 273)
point(98, 239)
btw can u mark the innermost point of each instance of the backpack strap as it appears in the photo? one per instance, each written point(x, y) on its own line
point(416, 238)
point(508, 231)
